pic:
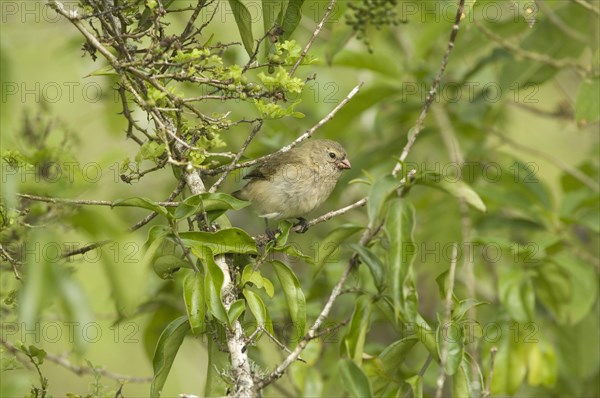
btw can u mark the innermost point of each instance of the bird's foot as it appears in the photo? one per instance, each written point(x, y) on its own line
point(271, 234)
point(302, 225)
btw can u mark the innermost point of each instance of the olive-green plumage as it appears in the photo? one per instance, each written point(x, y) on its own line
point(293, 183)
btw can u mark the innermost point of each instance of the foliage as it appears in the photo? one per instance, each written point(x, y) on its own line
point(512, 161)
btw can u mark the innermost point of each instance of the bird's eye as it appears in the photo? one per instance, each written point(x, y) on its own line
point(332, 155)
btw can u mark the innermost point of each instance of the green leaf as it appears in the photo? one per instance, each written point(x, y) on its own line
point(462, 385)
point(293, 250)
point(75, 303)
point(340, 36)
point(243, 19)
point(458, 189)
point(546, 39)
point(208, 202)
point(416, 385)
point(379, 193)
point(168, 344)
point(510, 365)
point(584, 286)
point(332, 242)
point(291, 18)
point(165, 266)
point(587, 105)
point(142, 203)
point(516, 293)
point(269, 12)
point(449, 336)
point(395, 354)
point(354, 341)
point(237, 308)
point(293, 295)
point(212, 286)
point(216, 360)
point(373, 262)
point(464, 306)
point(399, 227)
point(542, 364)
point(255, 277)
point(39, 283)
point(258, 309)
point(354, 379)
point(230, 240)
point(195, 301)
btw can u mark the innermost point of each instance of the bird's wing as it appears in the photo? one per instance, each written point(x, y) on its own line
point(269, 168)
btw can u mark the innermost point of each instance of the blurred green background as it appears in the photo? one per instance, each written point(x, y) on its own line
point(46, 82)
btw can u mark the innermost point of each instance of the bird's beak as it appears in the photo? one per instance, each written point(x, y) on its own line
point(344, 164)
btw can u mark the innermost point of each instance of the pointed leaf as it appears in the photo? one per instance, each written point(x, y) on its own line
point(195, 301)
point(399, 226)
point(141, 203)
point(230, 240)
point(165, 266)
point(168, 344)
point(291, 18)
point(354, 341)
point(332, 242)
point(243, 19)
point(379, 193)
point(213, 284)
point(237, 308)
point(258, 309)
point(254, 277)
point(293, 295)
point(373, 262)
point(354, 379)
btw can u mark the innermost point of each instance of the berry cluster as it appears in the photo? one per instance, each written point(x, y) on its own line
point(365, 13)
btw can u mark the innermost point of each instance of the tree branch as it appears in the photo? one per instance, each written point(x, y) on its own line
point(432, 91)
point(286, 148)
point(333, 213)
point(313, 37)
point(238, 156)
point(84, 201)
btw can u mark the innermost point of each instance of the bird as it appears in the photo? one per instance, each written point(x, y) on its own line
point(291, 184)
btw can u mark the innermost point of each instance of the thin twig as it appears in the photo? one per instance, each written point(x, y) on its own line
point(331, 214)
point(488, 382)
point(151, 216)
point(75, 20)
point(432, 91)
point(238, 156)
point(425, 365)
point(307, 134)
point(86, 248)
point(556, 161)
point(447, 319)
point(560, 24)
point(313, 37)
point(109, 203)
point(587, 6)
point(313, 332)
point(530, 55)
point(79, 370)
point(14, 263)
point(280, 344)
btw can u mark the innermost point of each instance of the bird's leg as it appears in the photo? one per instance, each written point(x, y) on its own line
point(303, 224)
point(270, 233)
